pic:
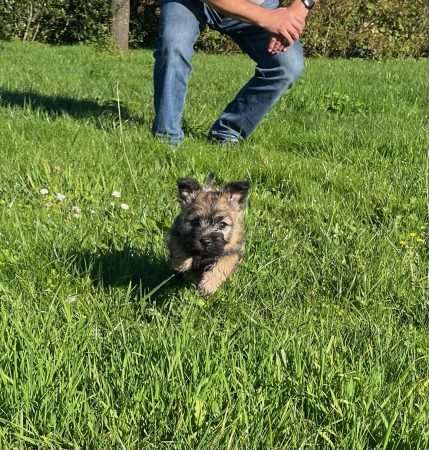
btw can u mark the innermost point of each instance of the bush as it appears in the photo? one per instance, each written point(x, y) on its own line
point(368, 28)
point(55, 21)
point(144, 22)
point(364, 28)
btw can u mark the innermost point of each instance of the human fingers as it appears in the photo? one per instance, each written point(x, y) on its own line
point(276, 44)
point(277, 47)
point(300, 19)
point(295, 28)
point(299, 26)
point(294, 33)
point(271, 44)
point(286, 35)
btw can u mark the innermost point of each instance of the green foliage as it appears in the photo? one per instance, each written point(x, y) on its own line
point(144, 22)
point(342, 103)
point(371, 29)
point(318, 341)
point(54, 21)
point(368, 28)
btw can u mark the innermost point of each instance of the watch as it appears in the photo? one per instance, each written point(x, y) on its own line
point(309, 4)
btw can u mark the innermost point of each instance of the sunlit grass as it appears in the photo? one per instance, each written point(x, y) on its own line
point(319, 340)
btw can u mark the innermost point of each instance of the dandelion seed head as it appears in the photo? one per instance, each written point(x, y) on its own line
point(44, 191)
point(124, 206)
point(60, 197)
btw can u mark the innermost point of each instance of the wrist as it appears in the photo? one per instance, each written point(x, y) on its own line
point(299, 6)
point(264, 18)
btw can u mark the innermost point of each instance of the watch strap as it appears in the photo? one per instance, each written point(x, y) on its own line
point(309, 4)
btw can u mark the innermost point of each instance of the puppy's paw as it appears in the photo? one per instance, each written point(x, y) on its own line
point(207, 287)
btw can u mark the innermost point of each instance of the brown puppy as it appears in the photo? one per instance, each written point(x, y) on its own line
point(207, 238)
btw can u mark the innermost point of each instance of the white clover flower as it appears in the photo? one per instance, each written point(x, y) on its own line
point(76, 210)
point(60, 197)
point(44, 191)
point(116, 194)
point(124, 206)
point(72, 298)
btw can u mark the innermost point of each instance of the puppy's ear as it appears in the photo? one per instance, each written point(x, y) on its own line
point(188, 187)
point(236, 192)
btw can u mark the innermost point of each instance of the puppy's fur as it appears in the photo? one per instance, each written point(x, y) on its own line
point(207, 238)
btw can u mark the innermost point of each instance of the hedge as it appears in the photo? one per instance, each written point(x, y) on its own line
point(362, 28)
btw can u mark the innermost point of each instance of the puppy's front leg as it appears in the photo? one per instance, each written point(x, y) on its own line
point(181, 264)
point(217, 274)
point(180, 261)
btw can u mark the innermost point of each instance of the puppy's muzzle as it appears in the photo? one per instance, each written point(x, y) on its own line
point(212, 244)
point(205, 242)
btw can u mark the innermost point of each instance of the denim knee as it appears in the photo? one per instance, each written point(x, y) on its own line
point(177, 33)
point(174, 45)
point(290, 64)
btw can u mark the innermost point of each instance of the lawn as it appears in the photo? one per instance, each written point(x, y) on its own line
point(320, 338)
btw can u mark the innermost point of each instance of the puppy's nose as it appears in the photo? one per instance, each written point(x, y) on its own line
point(205, 242)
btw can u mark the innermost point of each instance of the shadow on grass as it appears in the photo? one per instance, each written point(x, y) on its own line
point(57, 106)
point(147, 275)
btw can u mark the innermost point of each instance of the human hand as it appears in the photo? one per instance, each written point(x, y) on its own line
point(277, 44)
point(286, 24)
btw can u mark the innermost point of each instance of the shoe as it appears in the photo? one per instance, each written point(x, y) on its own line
point(165, 139)
point(224, 142)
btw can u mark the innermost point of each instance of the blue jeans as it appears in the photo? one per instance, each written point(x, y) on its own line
point(181, 23)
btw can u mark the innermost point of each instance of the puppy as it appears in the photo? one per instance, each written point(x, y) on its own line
point(207, 237)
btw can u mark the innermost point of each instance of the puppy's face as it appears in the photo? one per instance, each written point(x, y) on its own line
point(210, 219)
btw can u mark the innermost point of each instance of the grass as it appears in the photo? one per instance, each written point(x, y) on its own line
point(319, 340)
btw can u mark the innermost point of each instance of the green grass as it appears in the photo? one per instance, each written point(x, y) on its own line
point(319, 340)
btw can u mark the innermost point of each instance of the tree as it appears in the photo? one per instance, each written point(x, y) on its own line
point(120, 22)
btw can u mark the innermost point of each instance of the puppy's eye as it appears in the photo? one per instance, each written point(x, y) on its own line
point(194, 222)
point(222, 225)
